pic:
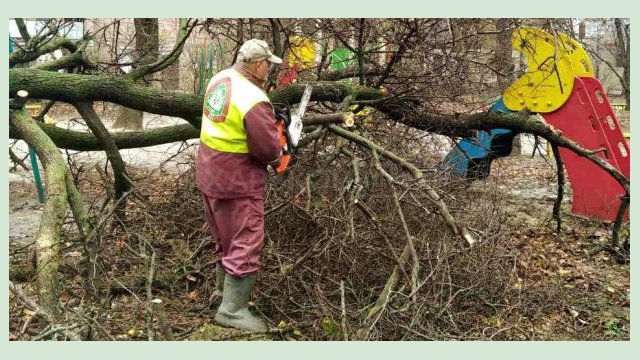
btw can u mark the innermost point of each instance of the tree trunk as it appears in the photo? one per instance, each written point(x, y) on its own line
point(129, 119)
point(504, 65)
point(147, 51)
point(503, 59)
point(171, 76)
point(623, 48)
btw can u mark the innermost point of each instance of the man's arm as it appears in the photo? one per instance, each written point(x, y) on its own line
point(262, 134)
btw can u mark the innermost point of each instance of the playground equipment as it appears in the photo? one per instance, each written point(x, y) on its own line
point(560, 86)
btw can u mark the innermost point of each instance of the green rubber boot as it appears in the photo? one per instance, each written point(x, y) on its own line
point(234, 310)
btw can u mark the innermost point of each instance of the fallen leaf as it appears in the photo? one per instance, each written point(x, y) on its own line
point(120, 241)
point(564, 272)
point(64, 297)
point(193, 295)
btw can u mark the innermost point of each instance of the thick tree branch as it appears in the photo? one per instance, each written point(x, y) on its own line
point(84, 141)
point(48, 237)
point(121, 184)
point(32, 51)
point(74, 59)
point(72, 88)
point(22, 28)
point(85, 88)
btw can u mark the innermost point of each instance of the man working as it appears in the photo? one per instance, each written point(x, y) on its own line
point(237, 141)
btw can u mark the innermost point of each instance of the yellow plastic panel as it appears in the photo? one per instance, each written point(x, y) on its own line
point(303, 53)
point(548, 82)
point(580, 61)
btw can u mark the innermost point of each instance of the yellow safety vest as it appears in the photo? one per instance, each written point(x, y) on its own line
point(228, 99)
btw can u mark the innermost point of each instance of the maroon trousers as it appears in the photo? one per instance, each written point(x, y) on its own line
point(237, 226)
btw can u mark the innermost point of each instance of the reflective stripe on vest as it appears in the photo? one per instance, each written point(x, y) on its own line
point(228, 99)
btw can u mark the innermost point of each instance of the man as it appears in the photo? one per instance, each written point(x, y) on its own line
point(237, 141)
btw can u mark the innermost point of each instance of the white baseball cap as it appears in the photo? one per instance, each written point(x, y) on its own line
point(254, 50)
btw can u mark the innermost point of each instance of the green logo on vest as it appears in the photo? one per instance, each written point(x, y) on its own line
point(215, 100)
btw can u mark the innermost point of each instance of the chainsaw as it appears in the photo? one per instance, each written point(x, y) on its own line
point(290, 129)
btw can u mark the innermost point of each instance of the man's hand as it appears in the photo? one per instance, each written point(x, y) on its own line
point(282, 113)
point(276, 161)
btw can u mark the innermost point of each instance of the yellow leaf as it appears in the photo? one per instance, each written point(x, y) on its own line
point(282, 324)
point(563, 272)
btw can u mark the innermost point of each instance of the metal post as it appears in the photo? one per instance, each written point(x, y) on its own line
point(36, 174)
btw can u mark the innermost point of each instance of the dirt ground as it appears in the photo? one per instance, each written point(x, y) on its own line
point(575, 289)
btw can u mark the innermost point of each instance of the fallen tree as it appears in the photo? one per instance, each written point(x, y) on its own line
point(374, 149)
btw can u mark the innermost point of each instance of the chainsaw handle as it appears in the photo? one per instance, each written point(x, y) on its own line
point(283, 113)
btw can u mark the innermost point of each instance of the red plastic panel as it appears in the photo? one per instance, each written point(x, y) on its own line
point(609, 124)
point(595, 192)
point(288, 76)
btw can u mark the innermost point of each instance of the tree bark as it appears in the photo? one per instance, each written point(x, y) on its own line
point(71, 88)
point(47, 246)
point(623, 48)
point(84, 141)
point(503, 54)
point(557, 205)
point(121, 184)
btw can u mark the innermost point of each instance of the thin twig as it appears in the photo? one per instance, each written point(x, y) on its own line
point(150, 303)
point(344, 312)
point(415, 266)
point(558, 203)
